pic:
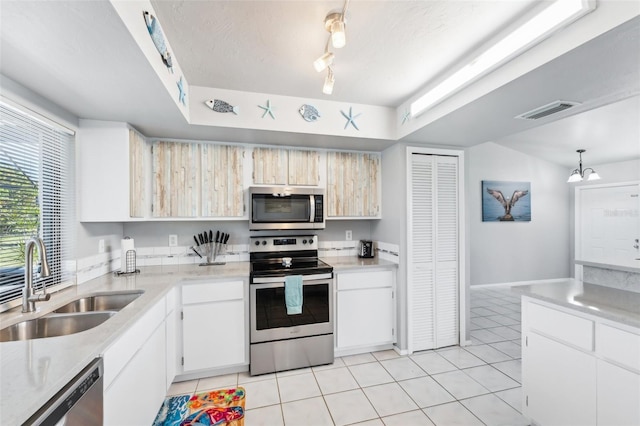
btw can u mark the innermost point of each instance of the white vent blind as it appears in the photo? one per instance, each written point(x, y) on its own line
point(36, 199)
point(434, 251)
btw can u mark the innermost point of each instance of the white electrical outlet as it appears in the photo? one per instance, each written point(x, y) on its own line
point(348, 235)
point(173, 240)
point(101, 246)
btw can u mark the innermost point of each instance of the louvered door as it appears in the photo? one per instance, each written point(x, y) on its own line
point(434, 252)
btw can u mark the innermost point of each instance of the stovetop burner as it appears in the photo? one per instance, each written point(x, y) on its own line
point(299, 266)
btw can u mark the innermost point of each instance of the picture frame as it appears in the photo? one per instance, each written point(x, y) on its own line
point(506, 201)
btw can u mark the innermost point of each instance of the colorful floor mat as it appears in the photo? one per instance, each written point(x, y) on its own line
point(213, 408)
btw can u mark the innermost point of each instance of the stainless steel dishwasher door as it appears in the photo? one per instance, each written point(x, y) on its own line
point(78, 403)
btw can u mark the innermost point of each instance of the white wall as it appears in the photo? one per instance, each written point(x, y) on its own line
point(506, 252)
point(393, 226)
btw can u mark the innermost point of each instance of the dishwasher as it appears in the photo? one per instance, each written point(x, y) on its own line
point(79, 402)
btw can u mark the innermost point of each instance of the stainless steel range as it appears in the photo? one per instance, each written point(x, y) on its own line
point(280, 341)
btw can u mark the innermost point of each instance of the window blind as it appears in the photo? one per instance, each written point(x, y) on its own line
point(36, 199)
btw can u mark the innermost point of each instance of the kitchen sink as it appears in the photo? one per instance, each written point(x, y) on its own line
point(53, 325)
point(100, 302)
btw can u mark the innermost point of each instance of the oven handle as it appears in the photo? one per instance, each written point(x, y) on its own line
point(280, 280)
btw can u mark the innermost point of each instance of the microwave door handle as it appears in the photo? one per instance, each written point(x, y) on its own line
point(312, 208)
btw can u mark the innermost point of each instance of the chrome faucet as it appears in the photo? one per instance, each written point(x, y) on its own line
point(29, 298)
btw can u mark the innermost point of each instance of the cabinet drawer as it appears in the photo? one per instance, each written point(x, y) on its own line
point(562, 326)
point(620, 346)
point(212, 292)
point(359, 280)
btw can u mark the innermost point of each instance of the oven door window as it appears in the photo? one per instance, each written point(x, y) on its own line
point(271, 311)
point(269, 209)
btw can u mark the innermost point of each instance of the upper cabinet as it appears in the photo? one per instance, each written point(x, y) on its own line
point(122, 177)
point(197, 180)
point(176, 172)
point(279, 166)
point(353, 185)
point(222, 183)
point(113, 171)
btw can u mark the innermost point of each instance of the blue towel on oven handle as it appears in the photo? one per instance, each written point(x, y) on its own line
point(293, 294)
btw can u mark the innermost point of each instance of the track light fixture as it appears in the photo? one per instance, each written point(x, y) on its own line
point(577, 175)
point(335, 24)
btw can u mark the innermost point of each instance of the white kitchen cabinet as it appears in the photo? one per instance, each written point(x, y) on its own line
point(365, 310)
point(578, 369)
point(618, 395)
point(353, 185)
point(113, 168)
point(137, 393)
point(135, 366)
point(559, 383)
point(213, 325)
point(171, 322)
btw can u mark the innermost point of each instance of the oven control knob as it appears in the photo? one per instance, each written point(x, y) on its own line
point(257, 243)
point(304, 241)
point(264, 243)
point(311, 240)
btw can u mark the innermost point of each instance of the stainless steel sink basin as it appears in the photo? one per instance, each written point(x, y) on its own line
point(54, 325)
point(101, 302)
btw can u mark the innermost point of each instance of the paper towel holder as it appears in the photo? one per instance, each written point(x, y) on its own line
point(129, 265)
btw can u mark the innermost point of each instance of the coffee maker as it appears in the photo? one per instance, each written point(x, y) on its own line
point(365, 249)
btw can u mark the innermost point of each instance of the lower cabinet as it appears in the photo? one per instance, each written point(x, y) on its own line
point(365, 310)
point(135, 366)
point(213, 325)
point(578, 369)
point(560, 383)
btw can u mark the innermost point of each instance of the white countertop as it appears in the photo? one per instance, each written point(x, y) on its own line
point(32, 371)
point(617, 305)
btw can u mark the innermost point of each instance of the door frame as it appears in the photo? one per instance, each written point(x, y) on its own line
point(577, 244)
point(462, 248)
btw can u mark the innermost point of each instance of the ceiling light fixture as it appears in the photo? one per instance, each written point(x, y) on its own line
point(577, 175)
point(549, 20)
point(335, 24)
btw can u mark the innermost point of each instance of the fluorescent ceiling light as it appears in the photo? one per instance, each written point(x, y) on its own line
point(557, 15)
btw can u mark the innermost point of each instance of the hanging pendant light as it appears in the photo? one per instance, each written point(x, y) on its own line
point(577, 175)
point(335, 24)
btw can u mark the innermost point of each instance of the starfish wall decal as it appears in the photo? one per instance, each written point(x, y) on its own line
point(267, 109)
point(182, 95)
point(350, 118)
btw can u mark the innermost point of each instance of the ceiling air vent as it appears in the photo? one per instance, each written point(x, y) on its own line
point(546, 110)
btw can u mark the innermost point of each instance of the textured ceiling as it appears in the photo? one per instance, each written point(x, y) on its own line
point(393, 47)
point(80, 56)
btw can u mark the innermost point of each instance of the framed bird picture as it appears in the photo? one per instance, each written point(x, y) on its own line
point(506, 201)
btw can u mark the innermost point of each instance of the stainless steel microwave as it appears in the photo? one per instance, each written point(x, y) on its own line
point(283, 207)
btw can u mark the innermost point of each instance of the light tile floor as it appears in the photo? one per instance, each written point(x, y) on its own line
point(474, 385)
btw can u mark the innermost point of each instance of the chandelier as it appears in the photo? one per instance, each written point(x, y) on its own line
point(577, 175)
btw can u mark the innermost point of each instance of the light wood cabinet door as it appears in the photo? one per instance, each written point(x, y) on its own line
point(279, 166)
point(222, 180)
point(137, 174)
point(270, 166)
point(304, 167)
point(353, 184)
point(176, 171)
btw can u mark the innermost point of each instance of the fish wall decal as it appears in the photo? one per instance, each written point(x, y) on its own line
point(222, 106)
point(309, 113)
point(157, 36)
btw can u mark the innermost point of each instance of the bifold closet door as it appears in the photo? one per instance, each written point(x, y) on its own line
point(434, 271)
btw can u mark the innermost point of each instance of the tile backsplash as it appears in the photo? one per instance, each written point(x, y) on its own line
point(91, 267)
